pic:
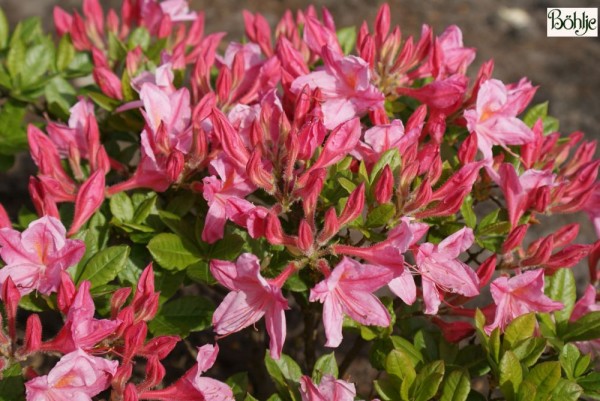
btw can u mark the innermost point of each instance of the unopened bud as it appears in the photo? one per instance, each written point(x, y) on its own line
point(384, 188)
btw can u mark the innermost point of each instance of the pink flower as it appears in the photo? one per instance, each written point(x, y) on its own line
point(454, 57)
point(77, 376)
point(592, 208)
point(519, 295)
point(441, 271)
point(520, 191)
point(178, 10)
point(329, 389)
point(81, 330)
point(345, 85)
point(494, 118)
point(380, 138)
point(348, 291)
point(586, 304)
point(251, 297)
point(218, 192)
point(192, 386)
point(35, 258)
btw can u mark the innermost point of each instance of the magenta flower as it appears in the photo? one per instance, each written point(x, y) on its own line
point(345, 85)
point(348, 291)
point(251, 297)
point(380, 138)
point(35, 258)
point(494, 118)
point(519, 295)
point(77, 376)
point(442, 272)
point(329, 389)
point(192, 386)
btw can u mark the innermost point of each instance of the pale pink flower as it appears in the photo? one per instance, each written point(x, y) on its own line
point(586, 304)
point(345, 86)
point(519, 295)
point(494, 118)
point(441, 271)
point(81, 329)
point(219, 191)
point(193, 386)
point(74, 134)
point(455, 58)
point(251, 297)
point(348, 291)
point(329, 389)
point(77, 376)
point(178, 10)
point(380, 138)
point(35, 258)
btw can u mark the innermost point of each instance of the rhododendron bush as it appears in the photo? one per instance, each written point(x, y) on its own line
point(251, 220)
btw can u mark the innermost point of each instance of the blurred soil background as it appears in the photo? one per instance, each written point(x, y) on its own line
point(513, 33)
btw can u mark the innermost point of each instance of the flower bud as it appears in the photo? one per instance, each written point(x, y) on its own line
point(486, 271)
point(66, 293)
point(305, 237)
point(33, 336)
point(468, 149)
point(117, 301)
point(515, 238)
point(384, 188)
point(354, 206)
point(331, 226)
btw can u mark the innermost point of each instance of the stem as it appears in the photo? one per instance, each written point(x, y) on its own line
point(351, 355)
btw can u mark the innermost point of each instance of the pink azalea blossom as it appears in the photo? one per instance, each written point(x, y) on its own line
point(81, 329)
point(441, 271)
point(178, 10)
point(592, 208)
point(519, 295)
point(251, 297)
point(348, 291)
point(192, 386)
point(520, 191)
point(455, 58)
point(35, 258)
point(494, 118)
point(77, 376)
point(380, 138)
point(73, 134)
point(219, 191)
point(345, 85)
point(329, 389)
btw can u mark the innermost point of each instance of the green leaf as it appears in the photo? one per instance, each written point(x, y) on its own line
point(182, 316)
point(535, 113)
point(428, 381)
point(528, 351)
point(398, 364)
point(12, 385)
point(583, 329)
point(104, 266)
point(347, 38)
point(527, 392)
point(390, 158)
point(381, 215)
point(457, 386)
point(15, 61)
point(519, 329)
point(561, 287)
point(566, 390)
point(13, 138)
point(409, 350)
point(171, 252)
point(139, 37)
point(144, 209)
point(387, 389)
point(121, 207)
point(511, 375)
point(551, 124)
point(36, 63)
point(239, 384)
point(107, 103)
point(4, 30)
point(590, 382)
point(544, 376)
point(286, 374)
point(325, 365)
point(568, 358)
point(466, 209)
point(200, 273)
point(228, 248)
point(65, 53)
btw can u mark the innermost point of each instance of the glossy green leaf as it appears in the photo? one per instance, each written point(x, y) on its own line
point(121, 207)
point(171, 252)
point(182, 316)
point(12, 385)
point(519, 329)
point(583, 329)
point(562, 287)
point(380, 215)
point(4, 29)
point(456, 387)
point(511, 375)
point(104, 266)
point(325, 365)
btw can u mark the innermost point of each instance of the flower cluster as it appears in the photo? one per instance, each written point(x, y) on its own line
point(287, 172)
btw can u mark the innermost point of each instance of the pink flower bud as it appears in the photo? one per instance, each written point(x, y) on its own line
point(223, 85)
point(33, 336)
point(155, 373)
point(541, 250)
point(331, 226)
point(117, 301)
point(568, 257)
point(486, 271)
point(134, 338)
point(175, 165)
point(382, 23)
point(11, 297)
point(4, 219)
point(88, 201)
point(42, 201)
point(468, 149)
point(384, 188)
point(66, 293)
point(62, 21)
point(354, 206)
point(273, 230)
point(514, 238)
point(130, 393)
point(108, 82)
point(257, 173)
point(565, 235)
point(121, 377)
point(159, 346)
point(305, 237)
point(540, 199)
